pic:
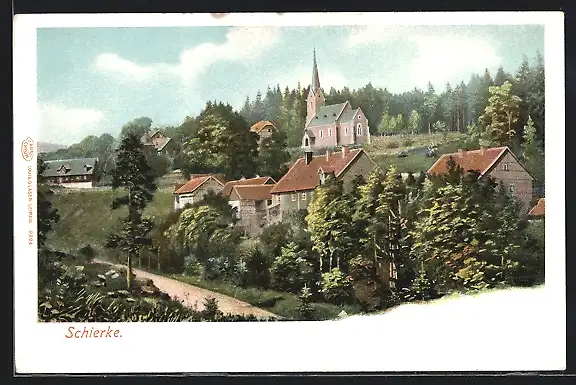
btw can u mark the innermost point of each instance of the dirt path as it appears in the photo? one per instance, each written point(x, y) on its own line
point(194, 296)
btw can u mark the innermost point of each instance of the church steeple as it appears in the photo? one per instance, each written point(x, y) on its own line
point(315, 98)
point(315, 86)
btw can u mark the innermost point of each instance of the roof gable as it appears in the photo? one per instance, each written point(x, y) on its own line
point(539, 209)
point(303, 177)
point(327, 114)
point(252, 192)
point(262, 180)
point(195, 183)
point(480, 160)
point(78, 166)
point(259, 126)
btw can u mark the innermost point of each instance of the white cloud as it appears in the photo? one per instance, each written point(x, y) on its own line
point(450, 57)
point(442, 54)
point(61, 124)
point(241, 44)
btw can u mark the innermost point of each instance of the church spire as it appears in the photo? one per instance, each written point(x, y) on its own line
point(315, 86)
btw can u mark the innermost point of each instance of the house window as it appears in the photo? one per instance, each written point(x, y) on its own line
point(321, 133)
point(512, 188)
point(359, 129)
point(269, 202)
point(303, 196)
point(329, 132)
point(293, 197)
point(505, 166)
point(178, 199)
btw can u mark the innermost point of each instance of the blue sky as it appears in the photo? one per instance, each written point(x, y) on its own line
point(93, 80)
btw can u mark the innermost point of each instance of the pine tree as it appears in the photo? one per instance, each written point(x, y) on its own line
point(133, 175)
point(532, 151)
point(272, 157)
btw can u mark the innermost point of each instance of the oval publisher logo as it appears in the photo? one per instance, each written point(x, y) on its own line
point(28, 149)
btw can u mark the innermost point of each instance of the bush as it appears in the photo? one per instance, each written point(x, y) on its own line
point(392, 144)
point(368, 289)
point(291, 270)
point(258, 269)
point(337, 287)
point(87, 252)
point(407, 142)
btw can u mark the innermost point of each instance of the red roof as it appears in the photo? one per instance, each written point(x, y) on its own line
point(479, 160)
point(257, 127)
point(193, 184)
point(303, 177)
point(537, 210)
point(254, 192)
point(243, 182)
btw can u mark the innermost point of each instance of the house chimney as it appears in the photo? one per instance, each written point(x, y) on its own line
point(308, 157)
point(345, 151)
point(460, 152)
point(482, 150)
point(327, 155)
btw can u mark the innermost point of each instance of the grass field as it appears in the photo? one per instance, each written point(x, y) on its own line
point(283, 304)
point(86, 218)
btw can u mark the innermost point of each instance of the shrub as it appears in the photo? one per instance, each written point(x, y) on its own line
point(392, 144)
point(337, 287)
point(291, 270)
point(368, 289)
point(305, 310)
point(87, 252)
point(258, 269)
point(407, 142)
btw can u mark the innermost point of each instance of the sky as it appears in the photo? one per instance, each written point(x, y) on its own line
point(94, 80)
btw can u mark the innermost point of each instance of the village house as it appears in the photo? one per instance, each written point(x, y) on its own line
point(157, 141)
point(538, 211)
point(295, 189)
point(499, 163)
point(71, 173)
point(196, 188)
point(251, 199)
point(263, 128)
point(331, 125)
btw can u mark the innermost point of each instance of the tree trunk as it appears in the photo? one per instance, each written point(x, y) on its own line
point(149, 257)
point(429, 127)
point(129, 272)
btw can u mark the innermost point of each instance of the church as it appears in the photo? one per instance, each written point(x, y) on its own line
point(332, 125)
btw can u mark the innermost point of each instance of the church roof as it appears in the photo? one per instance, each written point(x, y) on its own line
point(348, 115)
point(326, 114)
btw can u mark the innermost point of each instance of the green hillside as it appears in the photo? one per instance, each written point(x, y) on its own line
point(86, 217)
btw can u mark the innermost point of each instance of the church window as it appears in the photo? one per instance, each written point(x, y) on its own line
point(359, 129)
point(346, 131)
point(321, 133)
point(329, 132)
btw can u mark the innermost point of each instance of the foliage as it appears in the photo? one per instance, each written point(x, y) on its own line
point(133, 174)
point(533, 152)
point(292, 269)
point(272, 157)
point(467, 234)
point(337, 287)
point(223, 143)
point(205, 234)
point(47, 216)
point(305, 310)
point(502, 114)
point(71, 297)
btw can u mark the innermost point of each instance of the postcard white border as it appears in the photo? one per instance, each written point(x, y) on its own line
point(294, 346)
